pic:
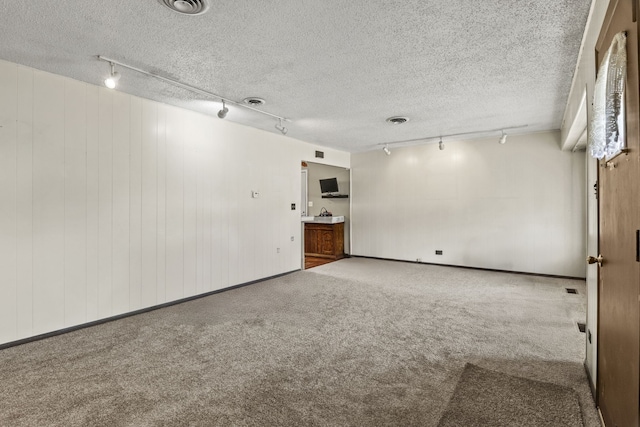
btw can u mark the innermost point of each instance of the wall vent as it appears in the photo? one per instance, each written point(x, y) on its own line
point(254, 101)
point(397, 120)
point(319, 154)
point(186, 7)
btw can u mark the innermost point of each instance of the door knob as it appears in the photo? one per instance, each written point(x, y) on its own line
point(593, 260)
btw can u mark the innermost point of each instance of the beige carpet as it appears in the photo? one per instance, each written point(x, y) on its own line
point(357, 342)
point(488, 398)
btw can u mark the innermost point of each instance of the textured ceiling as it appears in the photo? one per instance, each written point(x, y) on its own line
point(336, 68)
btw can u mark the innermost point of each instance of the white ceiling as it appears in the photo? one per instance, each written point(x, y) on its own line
point(336, 68)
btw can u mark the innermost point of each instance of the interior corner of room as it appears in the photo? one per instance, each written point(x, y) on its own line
point(142, 176)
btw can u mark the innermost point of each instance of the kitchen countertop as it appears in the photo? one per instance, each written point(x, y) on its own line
point(323, 219)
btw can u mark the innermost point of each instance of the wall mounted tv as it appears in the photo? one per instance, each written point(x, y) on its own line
point(329, 185)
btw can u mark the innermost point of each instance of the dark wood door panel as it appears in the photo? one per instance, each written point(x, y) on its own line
point(326, 242)
point(618, 382)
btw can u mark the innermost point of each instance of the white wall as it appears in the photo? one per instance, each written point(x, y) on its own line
point(516, 207)
point(584, 80)
point(111, 203)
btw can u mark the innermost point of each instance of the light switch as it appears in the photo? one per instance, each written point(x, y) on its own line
point(310, 204)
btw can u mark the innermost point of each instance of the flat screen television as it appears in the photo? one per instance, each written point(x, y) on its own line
point(329, 185)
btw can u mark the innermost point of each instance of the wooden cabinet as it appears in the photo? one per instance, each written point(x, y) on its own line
point(324, 240)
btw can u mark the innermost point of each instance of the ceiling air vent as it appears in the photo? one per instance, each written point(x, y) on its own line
point(253, 101)
point(186, 7)
point(397, 120)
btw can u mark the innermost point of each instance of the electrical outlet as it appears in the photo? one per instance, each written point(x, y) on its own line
point(292, 238)
point(310, 204)
point(438, 252)
point(293, 206)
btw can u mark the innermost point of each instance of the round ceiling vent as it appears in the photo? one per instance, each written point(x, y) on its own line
point(253, 101)
point(186, 7)
point(397, 120)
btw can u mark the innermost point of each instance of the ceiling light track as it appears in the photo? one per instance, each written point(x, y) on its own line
point(191, 88)
point(439, 137)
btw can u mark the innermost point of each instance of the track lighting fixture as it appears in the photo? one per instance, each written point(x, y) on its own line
point(502, 140)
point(386, 150)
point(223, 113)
point(249, 104)
point(281, 128)
point(113, 78)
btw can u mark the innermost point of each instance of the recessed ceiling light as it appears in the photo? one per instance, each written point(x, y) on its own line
point(253, 101)
point(397, 120)
point(186, 7)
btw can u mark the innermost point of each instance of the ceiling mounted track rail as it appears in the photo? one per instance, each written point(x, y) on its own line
point(439, 137)
point(190, 88)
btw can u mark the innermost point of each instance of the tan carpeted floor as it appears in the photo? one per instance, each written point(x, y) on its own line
point(488, 398)
point(357, 342)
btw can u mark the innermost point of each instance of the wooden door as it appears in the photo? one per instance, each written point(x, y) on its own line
point(619, 291)
point(311, 239)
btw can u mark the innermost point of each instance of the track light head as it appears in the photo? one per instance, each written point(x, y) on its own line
point(386, 150)
point(112, 81)
point(441, 145)
point(281, 128)
point(223, 112)
point(503, 138)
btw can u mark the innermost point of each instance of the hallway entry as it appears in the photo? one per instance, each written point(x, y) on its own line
point(325, 213)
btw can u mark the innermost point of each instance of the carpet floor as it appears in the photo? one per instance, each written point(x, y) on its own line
point(488, 398)
point(357, 342)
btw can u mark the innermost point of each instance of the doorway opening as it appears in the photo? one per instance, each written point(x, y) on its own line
point(325, 213)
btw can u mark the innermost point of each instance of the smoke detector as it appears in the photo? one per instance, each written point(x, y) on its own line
point(253, 101)
point(397, 120)
point(186, 7)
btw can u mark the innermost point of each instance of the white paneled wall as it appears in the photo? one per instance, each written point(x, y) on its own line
point(111, 203)
point(516, 207)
